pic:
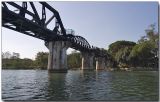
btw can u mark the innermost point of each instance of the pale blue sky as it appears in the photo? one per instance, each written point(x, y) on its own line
point(101, 23)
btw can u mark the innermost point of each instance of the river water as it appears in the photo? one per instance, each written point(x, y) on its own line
point(79, 85)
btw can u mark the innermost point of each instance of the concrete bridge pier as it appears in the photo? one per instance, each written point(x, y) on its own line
point(100, 63)
point(87, 61)
point(57, 58)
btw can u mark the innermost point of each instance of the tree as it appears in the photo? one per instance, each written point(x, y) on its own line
point(15, 55)
point(14, 62)
point(74, 60)
point(6, 55)
point(41, 60)
point(147, 49)
point(151, 36)
point(141, 54)
point(120, 51)
point(116, 46)
point(27, 63)
point(122, 56)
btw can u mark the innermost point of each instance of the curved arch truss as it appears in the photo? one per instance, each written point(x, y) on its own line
point(78, 42)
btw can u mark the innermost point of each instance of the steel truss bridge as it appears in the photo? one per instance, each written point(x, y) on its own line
point(20, 18)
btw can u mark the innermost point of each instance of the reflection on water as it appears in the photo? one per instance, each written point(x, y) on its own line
point(79, 85)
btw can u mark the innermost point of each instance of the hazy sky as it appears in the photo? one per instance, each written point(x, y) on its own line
point(101, 23)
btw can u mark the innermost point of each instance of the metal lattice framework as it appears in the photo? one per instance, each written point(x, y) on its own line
point(20, 18)
point(31, 23)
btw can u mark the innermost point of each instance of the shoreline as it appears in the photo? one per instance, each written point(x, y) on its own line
point(90, 70)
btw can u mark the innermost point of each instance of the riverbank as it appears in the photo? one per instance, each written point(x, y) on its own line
point(110, 69)
point(139, 69)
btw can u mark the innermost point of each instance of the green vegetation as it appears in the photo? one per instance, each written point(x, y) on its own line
point(120, 51)
point(144, 54)
point(121, 54)
point(74, 60)
point(17, 63)
point(116, 46)
point(14, 62)
point(41, 60)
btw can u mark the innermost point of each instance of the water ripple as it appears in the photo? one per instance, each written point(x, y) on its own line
point(79, 85)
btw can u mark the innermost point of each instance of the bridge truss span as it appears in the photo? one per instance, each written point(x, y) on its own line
point(35, 21)
point(27, 20)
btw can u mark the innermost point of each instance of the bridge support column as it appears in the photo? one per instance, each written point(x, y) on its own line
point(100, 63)
point(87, 61)
point(57, 58)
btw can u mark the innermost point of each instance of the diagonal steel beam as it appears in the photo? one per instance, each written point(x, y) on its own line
point(49, 20)
point(35, 12)
point(19, 7)
point(56, 15)
point(4, 5)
